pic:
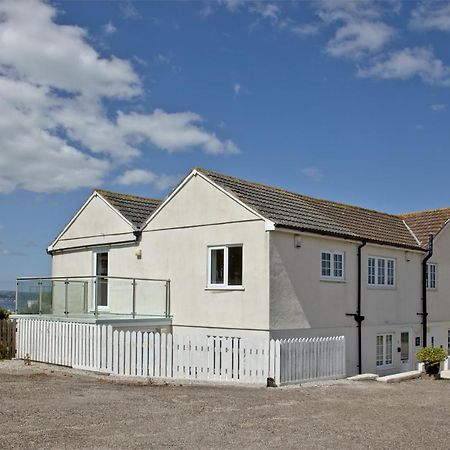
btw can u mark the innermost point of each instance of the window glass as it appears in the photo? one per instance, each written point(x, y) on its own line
point(217, 266)
point(380, 271)
point(388, 359)
point(380, 345)
point(338, 269)
point(326, 264)
point(371, 269)
point(430, 279)
point(404, 346)
point(235, 266)
point(384, 350)
point(390, 272)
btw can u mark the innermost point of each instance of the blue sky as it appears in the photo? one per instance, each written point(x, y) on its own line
point(344, 100)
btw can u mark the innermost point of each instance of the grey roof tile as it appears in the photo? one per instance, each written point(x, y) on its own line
point(292, 210)
point(134, 208)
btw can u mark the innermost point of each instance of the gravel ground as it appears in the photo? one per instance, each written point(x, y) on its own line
point(46, 407)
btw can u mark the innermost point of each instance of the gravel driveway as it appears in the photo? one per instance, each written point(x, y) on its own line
point(46, 407)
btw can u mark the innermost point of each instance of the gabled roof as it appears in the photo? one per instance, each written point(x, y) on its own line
point(296, 211)
point(425, 223)
point(134, 208)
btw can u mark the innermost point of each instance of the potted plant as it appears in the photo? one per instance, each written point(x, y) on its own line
point(432, 357)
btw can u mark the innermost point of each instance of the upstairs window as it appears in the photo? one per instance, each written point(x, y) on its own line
point(225, 266)
point(430, 280)
point(381, 271)
point(332, 265)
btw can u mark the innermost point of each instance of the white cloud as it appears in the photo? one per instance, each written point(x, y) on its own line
point(431, 16)
point(438, 107)
point(41, 52)
point(139, 176)
point(237, 88)
point(408, 63)
point(313, 172)
point(55, 131)
point(173, 131)
point(356, 39)
point(109, 28)
point(360, 30)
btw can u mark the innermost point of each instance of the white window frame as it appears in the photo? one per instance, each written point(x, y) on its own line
point(386, 364)
point(332, 275)
point(381, 271)
point(95, 252)
point(225, 284)
point(428, 278)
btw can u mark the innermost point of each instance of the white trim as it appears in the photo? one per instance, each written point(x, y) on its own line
point(384, 365)
point(75, 217)
point(268, 223)
point(412, 233)
point(224, 285)
point(95, 252)
point(435, 276)
point(384, 285)
point(332, 276)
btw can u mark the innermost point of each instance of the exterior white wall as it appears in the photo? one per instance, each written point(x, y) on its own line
point(174, 246)
point(97, 224)
point(302, 304)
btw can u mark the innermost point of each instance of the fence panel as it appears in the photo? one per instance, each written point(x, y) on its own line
point(308, 359)
point(149, 354)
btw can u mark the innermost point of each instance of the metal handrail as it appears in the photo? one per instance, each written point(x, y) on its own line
point(96, 280)
point(78, 277)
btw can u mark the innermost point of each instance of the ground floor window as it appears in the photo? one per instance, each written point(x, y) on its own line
point(384, 350)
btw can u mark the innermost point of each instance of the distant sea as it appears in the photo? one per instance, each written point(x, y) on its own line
point(7, 300)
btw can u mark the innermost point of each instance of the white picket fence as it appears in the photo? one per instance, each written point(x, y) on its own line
point(147, 354)
point(311, 359)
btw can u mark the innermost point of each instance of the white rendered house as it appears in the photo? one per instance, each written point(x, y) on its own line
point(229, 257)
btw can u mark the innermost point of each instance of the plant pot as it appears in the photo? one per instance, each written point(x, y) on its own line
point(432, 369)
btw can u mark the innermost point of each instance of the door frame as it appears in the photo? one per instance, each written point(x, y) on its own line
point(95, 252)
point(407, 365)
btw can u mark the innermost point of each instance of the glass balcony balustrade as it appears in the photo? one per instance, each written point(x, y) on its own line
point(94, 295)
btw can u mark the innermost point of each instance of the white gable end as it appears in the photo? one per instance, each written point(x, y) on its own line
point(197, 203)
point(97, 223)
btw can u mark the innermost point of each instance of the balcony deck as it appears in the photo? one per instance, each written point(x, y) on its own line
point(101, 319)
point(95, 299)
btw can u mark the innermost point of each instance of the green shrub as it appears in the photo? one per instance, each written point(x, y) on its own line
point(431, 355)
point(4, 313)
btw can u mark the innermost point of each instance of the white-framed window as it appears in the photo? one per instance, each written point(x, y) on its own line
point(431, 278)
point(225, 266)
point(381, 271)
point(332, 265)
point(384, 350)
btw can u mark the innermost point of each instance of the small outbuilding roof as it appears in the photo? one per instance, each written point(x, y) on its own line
point(134, 208)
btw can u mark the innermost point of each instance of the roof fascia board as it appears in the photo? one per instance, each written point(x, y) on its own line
point(269, 225)
point(347, 239)
point(75, 217)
